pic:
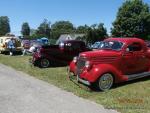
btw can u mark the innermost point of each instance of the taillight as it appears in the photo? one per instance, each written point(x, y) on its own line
point(61, 46)
point(38, 50)
point(75, 59)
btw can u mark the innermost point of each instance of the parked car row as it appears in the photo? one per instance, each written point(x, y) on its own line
point(114, 60)
point(111, 61)
point(12, 44)
point(27, 43)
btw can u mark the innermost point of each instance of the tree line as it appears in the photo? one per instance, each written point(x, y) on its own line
point(132, 20)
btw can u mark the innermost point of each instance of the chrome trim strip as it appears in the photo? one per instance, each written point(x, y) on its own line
point(136, 76)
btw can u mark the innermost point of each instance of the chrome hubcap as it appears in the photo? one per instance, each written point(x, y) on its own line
point(44, 63)
point(105, 82)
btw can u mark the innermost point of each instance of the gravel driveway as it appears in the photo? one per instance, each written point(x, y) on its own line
point(21, 93)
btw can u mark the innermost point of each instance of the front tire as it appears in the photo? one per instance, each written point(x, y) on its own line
point(105, 82)
point(44, 63)
point(1, 52)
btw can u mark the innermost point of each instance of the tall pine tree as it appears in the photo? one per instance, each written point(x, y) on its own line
point(25, 29)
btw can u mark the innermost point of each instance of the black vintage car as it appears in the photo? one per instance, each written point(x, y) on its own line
point(58, 54)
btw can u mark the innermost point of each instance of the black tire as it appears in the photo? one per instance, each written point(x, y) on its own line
point(44, 63)
point(105, 82)
point(2, 52)
point(6, 52)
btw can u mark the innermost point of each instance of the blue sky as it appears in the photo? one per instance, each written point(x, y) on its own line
point(79, 12)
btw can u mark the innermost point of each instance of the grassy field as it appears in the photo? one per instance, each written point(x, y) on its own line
point(129, 97)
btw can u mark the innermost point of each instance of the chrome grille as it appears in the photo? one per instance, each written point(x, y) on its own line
point(80, 65)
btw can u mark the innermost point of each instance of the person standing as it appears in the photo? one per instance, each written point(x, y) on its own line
point(10, 46)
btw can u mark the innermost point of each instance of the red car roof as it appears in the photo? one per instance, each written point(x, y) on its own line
point(125, 40)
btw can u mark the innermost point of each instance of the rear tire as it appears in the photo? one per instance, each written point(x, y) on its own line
point(105, 82)
point(44, 63)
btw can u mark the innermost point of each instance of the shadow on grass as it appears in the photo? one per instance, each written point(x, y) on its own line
point(118, 85)
point(131, 82)
point(17, 53)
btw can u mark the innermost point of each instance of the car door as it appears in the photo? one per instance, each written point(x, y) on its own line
point(128, 63)
point(141, 59)
point(130, 59)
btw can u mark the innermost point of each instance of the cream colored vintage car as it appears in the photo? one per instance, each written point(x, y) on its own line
point(3, 43)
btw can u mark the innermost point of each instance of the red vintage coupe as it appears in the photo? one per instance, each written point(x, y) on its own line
point(118, 60)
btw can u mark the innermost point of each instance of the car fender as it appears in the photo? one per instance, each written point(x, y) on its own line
point(72, 67)
point(98, 70)
point(42, 56)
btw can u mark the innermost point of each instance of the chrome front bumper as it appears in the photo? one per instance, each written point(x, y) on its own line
point(83, 81)
point(71, 74)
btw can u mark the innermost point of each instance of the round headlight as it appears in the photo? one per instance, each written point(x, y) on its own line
point(87, 64)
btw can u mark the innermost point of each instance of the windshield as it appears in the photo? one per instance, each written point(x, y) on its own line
point(96, 45)
point(114, 45)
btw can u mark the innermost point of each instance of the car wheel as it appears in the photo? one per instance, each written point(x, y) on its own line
point(44, 63)
point(1, 52)
point(105, 82)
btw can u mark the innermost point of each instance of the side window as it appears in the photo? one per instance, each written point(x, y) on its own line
point(134, 47)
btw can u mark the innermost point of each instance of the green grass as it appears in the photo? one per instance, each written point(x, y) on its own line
point(131, 97)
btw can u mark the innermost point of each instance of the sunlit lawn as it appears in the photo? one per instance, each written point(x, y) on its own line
point(130, 97)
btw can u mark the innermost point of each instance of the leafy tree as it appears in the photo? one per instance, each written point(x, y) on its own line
point(89, 35)
point(4, 25)
point(133, 19)
point(44, 29)
point(96, 33)
point(33, 31)
point(25, 29)
point(61, 27)
point(101, 31)
point(82, 29)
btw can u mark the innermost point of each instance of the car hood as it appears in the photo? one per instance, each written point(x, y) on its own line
point(100, 54)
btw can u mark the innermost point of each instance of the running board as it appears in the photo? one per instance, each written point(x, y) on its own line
point(139, 75)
